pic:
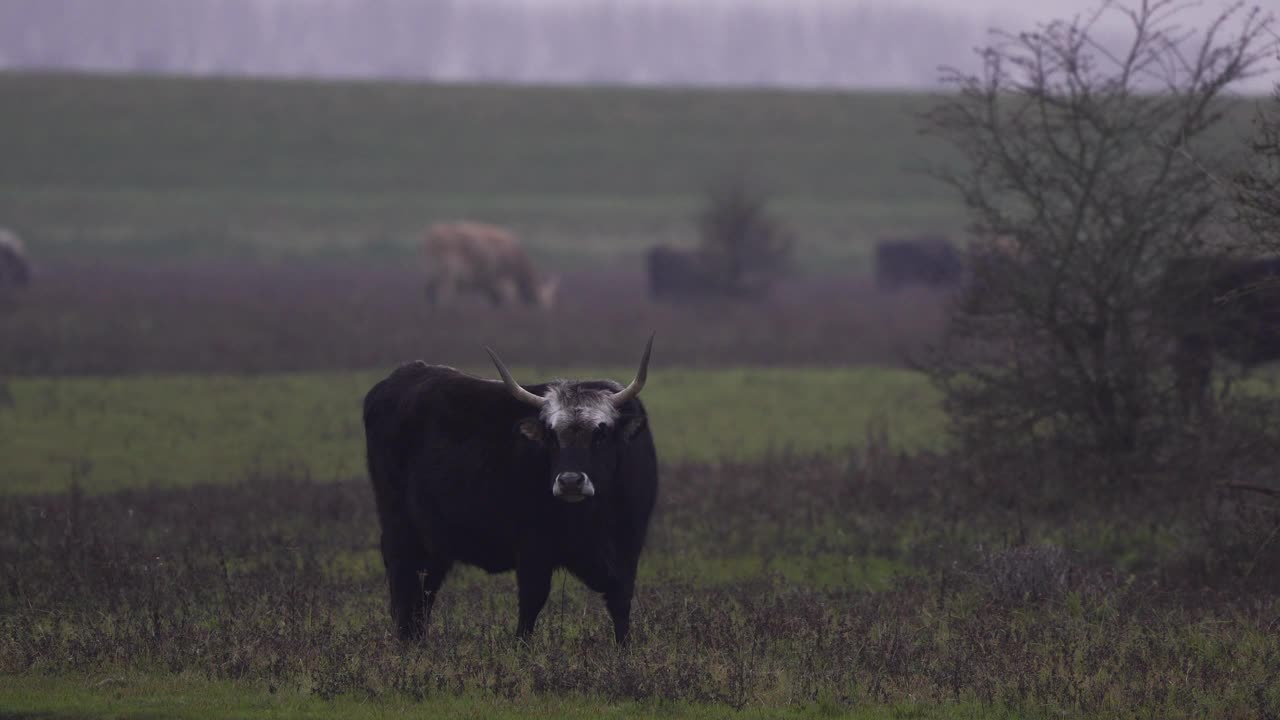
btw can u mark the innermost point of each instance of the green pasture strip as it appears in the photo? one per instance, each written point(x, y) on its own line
point(143, 696)
point(113, 433)
point(269, 135)
point(179, 167)
point(111, 166)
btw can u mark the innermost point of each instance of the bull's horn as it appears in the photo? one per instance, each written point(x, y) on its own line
point(632, 390)
point(517, 392)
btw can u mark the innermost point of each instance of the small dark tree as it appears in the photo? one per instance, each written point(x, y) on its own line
point(1079, 161)
point(744, 246)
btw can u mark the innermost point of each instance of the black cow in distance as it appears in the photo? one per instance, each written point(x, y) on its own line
point(1220, 306)
point(928, 261)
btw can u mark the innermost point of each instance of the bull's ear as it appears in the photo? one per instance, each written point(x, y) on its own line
point(632, 427)
point(531, 429)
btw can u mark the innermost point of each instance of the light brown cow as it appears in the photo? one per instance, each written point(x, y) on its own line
point(484, 259)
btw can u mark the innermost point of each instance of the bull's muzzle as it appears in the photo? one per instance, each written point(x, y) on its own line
point(573, 487)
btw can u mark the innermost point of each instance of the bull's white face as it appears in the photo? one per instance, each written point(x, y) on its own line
point(582, 426)
point(583, 432)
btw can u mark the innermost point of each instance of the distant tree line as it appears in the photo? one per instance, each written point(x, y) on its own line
point(654, 42)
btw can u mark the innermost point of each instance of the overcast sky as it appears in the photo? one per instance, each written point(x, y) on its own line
point(786, 43)
point(1198, 10)
point(1031, 11)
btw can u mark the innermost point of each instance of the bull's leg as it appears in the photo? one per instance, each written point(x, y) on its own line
point(1193, 367)
point(616, 589)
point(413, 577)
point(402, 564)
point(431, 578)
point(617, 600)
point(534, 582)
point(1196, 391)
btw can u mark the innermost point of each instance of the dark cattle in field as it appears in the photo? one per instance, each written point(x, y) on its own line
point(503, 477)
point(676, 274)
point(1220, 306)
point(931, 262)
point(680, 274)
point(15, 268)
point(997, 270)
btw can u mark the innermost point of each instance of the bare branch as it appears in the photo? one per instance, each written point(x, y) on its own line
point(1260, 489)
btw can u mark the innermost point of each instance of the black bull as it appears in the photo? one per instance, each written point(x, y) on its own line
point(1220, 306)
point(490, 474)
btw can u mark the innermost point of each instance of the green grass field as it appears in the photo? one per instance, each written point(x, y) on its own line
point(197, 545)
point(168, 167)
point(113, 433)
point(143, 697)
point(146, 167)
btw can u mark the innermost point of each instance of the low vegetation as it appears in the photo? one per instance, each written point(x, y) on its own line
point(872, 580)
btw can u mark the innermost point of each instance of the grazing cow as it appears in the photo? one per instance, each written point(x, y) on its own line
point(485, 259)
point(15, 269)
point(503, 477)
point(680, 274)
point(1219, 306)
point(929, 261)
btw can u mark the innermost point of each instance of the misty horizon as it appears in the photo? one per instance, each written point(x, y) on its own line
point(760, 43)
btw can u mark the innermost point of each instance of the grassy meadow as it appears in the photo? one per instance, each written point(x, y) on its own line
point(193, 697)
point(134, 432)
point(219, 168)
point(148, 168)
point(223, 270)
point(865, 585)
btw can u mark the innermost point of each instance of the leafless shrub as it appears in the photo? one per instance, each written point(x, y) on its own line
point(1083, 159)
point(744, 245)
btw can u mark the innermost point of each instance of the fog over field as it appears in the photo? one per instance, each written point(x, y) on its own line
point(801, 43)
